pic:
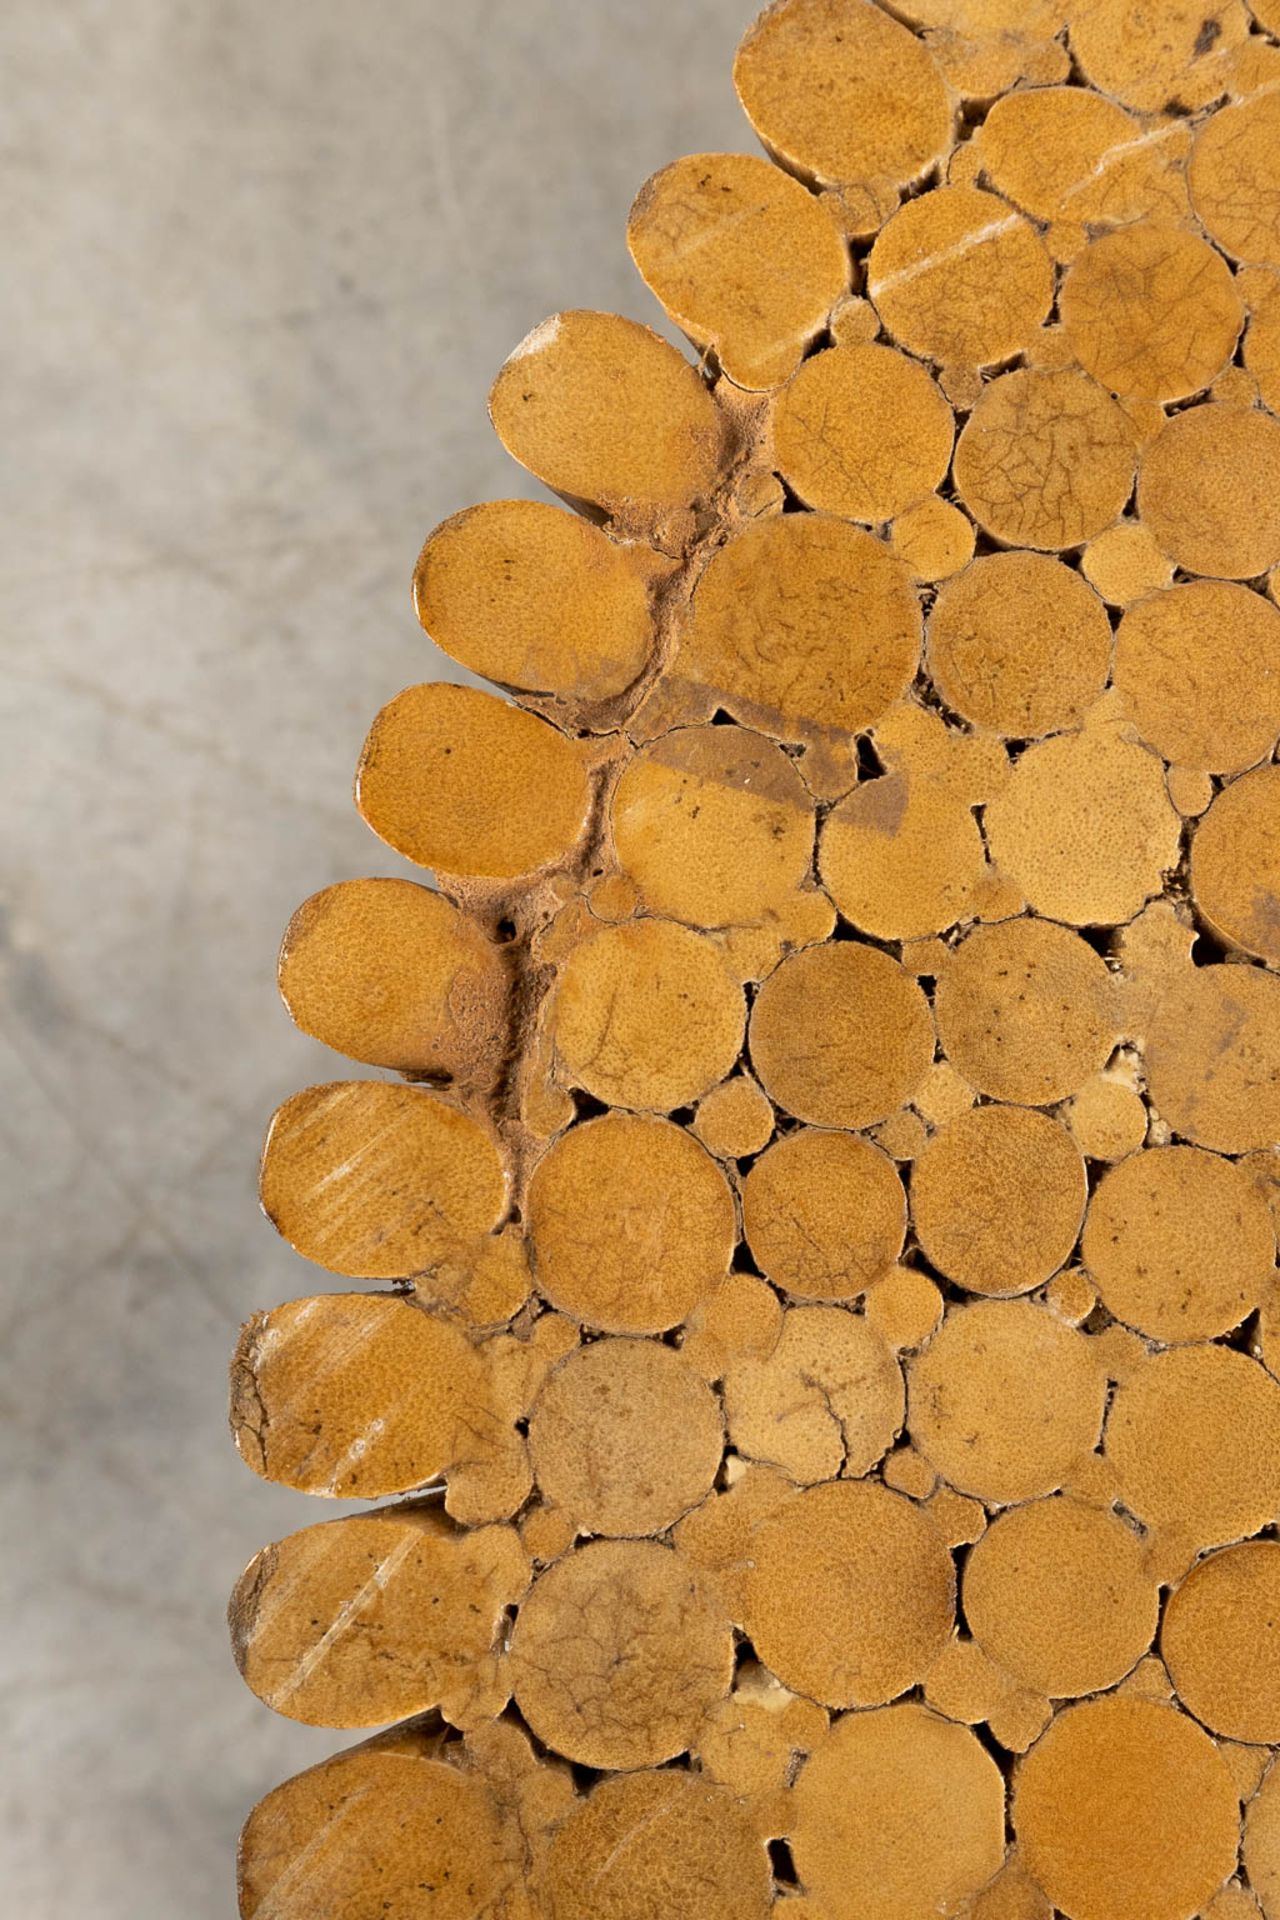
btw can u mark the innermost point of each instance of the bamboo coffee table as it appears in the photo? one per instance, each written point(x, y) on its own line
point(809, 1297)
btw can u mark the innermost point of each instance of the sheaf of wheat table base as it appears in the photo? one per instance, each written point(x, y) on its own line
point(809, 1298)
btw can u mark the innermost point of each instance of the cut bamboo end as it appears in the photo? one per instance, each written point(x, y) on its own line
point(850, 1593)
point(903, 857)
point(377, 1829)
point(585, 1196)
point(1124, 564)
point(1057, 1595)
point(1208, 490)
point(605, 412)
point(1119, 305)
point(1231, 157)
point(1181, 1813)
point(625, 1438)
point(457, 780)
point(1026, 1011)
point(1085, 828)
point(1005, 1400)
point(692, 1835)
point(1217, 1645)
point(394, 975)
point(377, 1181)
point(536, 599)
point(998, 1198)
point(1194, 1439)
point(1213, 1058)
point(647, 1015)
point(735, 1119)
point(843, 94)
point(714, 826)
point(697, 233)
point(933, 539)
point(1180, 1244)
point(825, 1214)
point(874, 1034)
point(1019, 645)
point(1066, 155)
point(318, 1621)
point(1196, 665)
point(1235, 864)
point(876, 1769)
point(830, 1392)
point(862, 432)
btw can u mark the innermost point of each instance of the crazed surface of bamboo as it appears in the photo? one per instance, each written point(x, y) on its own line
point(828, 1329)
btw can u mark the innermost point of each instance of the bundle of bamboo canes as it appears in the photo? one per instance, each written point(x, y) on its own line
point(827, 1210)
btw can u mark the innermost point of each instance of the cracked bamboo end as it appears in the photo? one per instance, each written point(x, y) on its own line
point(1019, 645)
point(828, 1400)
point(617, 1653)
point(1032, 498)
point(998, 1197)
point(958, 278)
point(812, 578)
point(361, 1395)
point(586, 1199)
point(863, 432)
point(825, 1214)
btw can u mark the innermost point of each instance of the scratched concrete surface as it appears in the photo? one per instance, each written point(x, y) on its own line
point(263, 260)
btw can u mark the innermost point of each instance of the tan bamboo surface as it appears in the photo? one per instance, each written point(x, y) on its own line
point(808, 1302)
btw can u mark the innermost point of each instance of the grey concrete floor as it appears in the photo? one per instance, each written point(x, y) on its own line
point(264, 257)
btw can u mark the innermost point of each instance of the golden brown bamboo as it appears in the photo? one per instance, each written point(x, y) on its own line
point(830, 1198)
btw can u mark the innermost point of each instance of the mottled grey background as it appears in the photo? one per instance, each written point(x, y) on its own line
point(263, 259)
